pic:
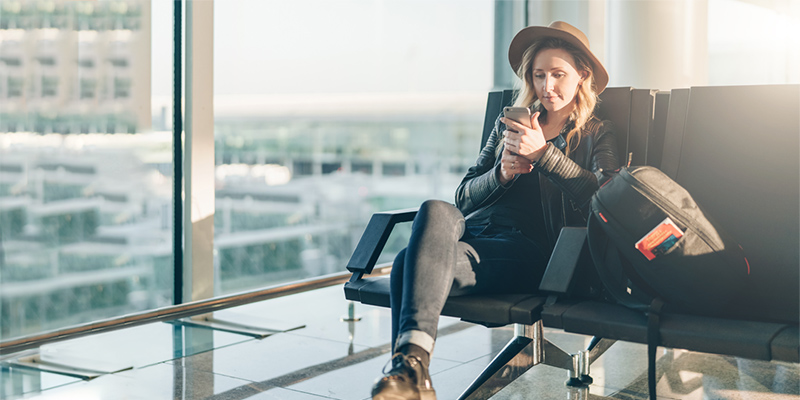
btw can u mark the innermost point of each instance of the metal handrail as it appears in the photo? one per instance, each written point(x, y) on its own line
point(179, 311)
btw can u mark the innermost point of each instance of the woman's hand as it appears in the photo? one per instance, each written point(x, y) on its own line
point(511, 164)
point(526, 142)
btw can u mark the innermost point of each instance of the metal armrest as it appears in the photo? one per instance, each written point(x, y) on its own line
point(374, 238)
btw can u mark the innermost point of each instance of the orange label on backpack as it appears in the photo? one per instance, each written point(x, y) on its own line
point(662, 238)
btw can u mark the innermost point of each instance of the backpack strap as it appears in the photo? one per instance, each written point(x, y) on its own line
point(612, 270)
point(653, 339)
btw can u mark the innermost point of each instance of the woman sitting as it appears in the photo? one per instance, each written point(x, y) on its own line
point(532, 178)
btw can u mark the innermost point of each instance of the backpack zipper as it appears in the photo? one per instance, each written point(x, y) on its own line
point(660, 201)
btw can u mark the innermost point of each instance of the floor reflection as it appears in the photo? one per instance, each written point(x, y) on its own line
point(336, 358)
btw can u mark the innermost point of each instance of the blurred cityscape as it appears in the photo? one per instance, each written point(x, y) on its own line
point(86, 173)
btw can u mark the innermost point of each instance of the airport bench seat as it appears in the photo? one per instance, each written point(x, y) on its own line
point(757, 340)
point(686, 133)
point(488, 310)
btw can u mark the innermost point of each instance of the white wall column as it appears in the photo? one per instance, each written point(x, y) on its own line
point(657, 44)
point(198, 267)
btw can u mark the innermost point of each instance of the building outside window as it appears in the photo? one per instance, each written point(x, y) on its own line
point(85, 200)
point(320, 124)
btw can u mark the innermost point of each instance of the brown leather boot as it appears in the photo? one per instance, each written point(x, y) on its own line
point(407, 380)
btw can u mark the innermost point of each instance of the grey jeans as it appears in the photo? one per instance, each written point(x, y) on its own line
point(445, 258)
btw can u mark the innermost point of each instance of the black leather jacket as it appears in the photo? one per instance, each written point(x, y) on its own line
point(566, 184)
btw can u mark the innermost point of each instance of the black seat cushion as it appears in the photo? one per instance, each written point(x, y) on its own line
point(749, 339)
point(786, 345)
point(488, 309)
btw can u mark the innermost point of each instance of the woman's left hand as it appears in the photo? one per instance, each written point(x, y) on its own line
point(511, 165)
point(527, 142)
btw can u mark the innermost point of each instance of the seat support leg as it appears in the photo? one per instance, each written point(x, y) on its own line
point(529, 348)
point(596, 348)
point(519, 355)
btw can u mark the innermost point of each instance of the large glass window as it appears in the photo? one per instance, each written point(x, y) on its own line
point(328, 111)
point(85, 161)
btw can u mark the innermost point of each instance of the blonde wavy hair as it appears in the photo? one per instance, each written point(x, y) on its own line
point(585, 99)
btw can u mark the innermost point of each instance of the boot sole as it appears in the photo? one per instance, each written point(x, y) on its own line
point(392, 391)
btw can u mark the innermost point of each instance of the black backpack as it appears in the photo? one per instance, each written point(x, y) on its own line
point(653, 247)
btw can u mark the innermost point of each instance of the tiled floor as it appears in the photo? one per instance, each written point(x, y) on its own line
point(331, 359)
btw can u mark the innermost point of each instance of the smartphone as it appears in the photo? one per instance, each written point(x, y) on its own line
point(519, 114)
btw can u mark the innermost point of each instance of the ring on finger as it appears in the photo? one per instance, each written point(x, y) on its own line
point(513, 164)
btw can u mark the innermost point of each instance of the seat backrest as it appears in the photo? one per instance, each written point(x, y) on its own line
point(674, 125)
point(641, 125)
point(615, 106)
point(655, 143)
point(740, 161)
point(494, 106)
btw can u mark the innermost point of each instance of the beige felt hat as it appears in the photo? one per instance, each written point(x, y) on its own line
point(560, 30)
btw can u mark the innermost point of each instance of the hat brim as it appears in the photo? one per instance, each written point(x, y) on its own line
point(527, 36)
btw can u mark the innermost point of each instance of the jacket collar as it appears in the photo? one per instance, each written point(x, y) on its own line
point(560, 141)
